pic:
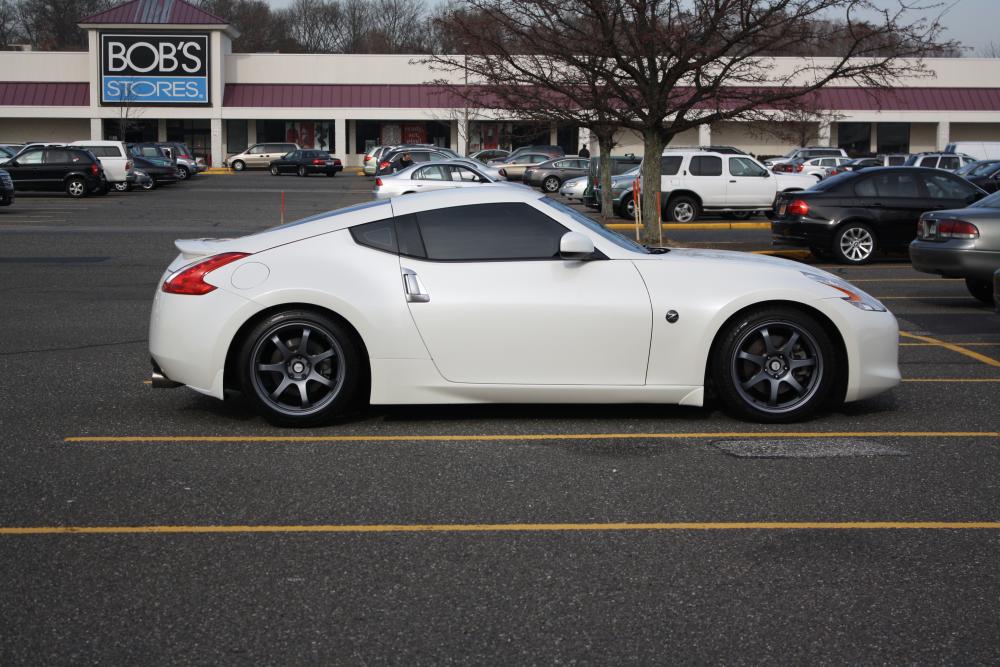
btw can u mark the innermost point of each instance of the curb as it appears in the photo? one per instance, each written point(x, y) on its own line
point(618, 226)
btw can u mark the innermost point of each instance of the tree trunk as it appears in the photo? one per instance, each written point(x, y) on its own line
point(652, 231)
point(606, 141)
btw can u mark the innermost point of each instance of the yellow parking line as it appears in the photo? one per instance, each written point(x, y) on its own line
point(526, 437)
point(963, 344)
point(989, 361)
point(508, 527)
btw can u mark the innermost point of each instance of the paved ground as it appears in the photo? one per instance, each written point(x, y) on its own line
point(476, 534)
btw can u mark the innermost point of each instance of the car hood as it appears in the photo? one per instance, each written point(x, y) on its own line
point(732, 262)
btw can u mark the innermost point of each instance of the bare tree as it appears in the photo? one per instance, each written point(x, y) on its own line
point(314, 25)
point(991, 50)
point(51, 25)
point(9, 30)
point(798, 123)
point(667, 66)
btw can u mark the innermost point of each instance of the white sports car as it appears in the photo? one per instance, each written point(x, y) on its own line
point(500, 294)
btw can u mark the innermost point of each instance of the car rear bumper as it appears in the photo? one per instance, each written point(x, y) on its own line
point(954, 259)
point(6, 198)
point(799, 232)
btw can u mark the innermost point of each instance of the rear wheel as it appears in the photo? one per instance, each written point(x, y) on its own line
point(122, 186)
point(551, 184)
point(76, 187)
point(331, 174)
point(239, 165)
point(149, 185)
point(981, 289)
point(274, 171)
point(302, 171)
point(774, 364)
point(854, 243)
point(683, 209)
point(627, 209)
point(737, 215)
point(300, 368)
point(182, 173)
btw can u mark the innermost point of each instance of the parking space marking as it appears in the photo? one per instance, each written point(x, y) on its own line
point(506, 527)
point(525, 437)
point(972, 354)
point(962, 343)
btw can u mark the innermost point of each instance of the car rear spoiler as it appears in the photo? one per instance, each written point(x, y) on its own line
point(194, 248)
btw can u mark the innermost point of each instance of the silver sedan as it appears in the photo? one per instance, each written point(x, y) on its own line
point(574, 187)
point(427, 176)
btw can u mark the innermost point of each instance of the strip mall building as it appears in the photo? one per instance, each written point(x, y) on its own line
point(164, 70)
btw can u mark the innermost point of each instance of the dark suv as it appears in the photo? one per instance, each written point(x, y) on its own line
point(53, 168)
point(6, 189)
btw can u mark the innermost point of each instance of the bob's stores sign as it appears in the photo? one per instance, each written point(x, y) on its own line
point(154, 69)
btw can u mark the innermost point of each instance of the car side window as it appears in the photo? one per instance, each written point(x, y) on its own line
point(561, 164)
point(669, 166)
point(56, 157)
point(465, 174)
point(948, 162)
point(940, 186)
point(256, 150)
point(897, 184)
point(434, 172)
point(379, 235)
point(865, 188)
point(741, 166)
point(33, 157)
point(928, 162)
point(419, 157)
point(488, 232)
point(706, 165)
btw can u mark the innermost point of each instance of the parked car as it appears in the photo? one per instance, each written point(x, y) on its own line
point(259, 156)
point(574, 188)
point(305, 162)
point(817, 167)
point(854, 215)
point(499, 284)
point(513, 169)
point(619, 165)
point(806, 153)
point(143, 180)
point(945, 161)
point(162, 172)
point(888, 160)
point(428, 176)
point(11, 149)
point(392, 161)
point(622, 187)
point(187, 164)
point(6, 189)
point(488, 154)
point(75, 171)
point(370, 162)
point(114, 157)
point(695, 181)
point(550, 174)
point(961, 243)
point(6, 152)
point(548, 150)
point(981, 150)
point(985, 174)
point(492, 172)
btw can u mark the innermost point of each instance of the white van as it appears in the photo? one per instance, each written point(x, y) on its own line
point(981, 150)
point(114, 158)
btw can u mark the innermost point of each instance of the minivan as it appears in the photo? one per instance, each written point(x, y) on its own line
point(259, 156)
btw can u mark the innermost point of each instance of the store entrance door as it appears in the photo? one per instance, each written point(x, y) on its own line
point(197, 134)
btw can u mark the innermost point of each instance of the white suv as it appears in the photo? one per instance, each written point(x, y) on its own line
point(694, 181)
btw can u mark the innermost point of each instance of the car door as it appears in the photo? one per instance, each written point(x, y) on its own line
point(464, 177)
point(899, 201)
point(748, 185)
point(499, 306)
point(289, 163)
point(55, 165)
point(432, 177)
point(26, 170)
point(706, 178)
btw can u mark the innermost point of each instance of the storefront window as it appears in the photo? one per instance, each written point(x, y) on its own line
point(855, 138)
point(893, 137)
point(197, 134)
point(236, 136)
point(130, 129)
point(313, 134)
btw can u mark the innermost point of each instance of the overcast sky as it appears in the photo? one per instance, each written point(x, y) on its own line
point(972, 22)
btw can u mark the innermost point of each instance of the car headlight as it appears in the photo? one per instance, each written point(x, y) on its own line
point(853, 295)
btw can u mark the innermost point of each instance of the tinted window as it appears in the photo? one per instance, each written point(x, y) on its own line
point(505, 231)
point(379, 235)
point(419, 157)
point(941, 186)
point(104, 151)
point(928, 162)
point(295, 155)
point(706, 165)
point(890, 184)
point(31, 157)
point(56, 157)
point(865, 188)
point(896, 160)
point(432, 173)
point(948, 162)
point(257, 150)
point(669, 166)
point(741, 166)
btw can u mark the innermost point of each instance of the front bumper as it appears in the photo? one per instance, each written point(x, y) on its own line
point(871, 340)
point(954, 259)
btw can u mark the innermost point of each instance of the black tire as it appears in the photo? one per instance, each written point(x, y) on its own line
point(331, 383)
point(683, 208)
point(737, 215)
point(627, 208)
point(76, 187)
point(275, 171)
point(746, 384)
point(238, 165)
point(182, 173)
point(331, 174)
point(980, 289)
point(855, 243)
point(123, 186)
point(303, 172)
point(551, 184)
point(149, 185)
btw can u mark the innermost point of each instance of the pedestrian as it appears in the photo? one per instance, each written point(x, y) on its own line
point(583, 151)
point(404, 161)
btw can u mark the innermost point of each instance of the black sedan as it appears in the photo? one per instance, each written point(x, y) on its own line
point(854, 215)
point(6, 189)
point(305, 162)
point(551, 174)
point(161, 171)
point(985, 174)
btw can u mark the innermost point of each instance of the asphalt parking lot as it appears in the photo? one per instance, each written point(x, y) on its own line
point(148, 526)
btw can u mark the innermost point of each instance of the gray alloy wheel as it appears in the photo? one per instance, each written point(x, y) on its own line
point(302, 171)
point(76, 187)
point(628, 208)
point(274, 171)
point(122, 186)
point(551, 184)
point(182, 173)
point(238, 165)
point(683, 209)
point(777, 366)
point(297, 368)
point(149, 185)
point(855, 243)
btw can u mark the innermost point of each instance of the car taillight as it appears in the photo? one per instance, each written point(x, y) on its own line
point(384, 165)
point(378, 182)
point(318, 161)
point(185, 156)
point(191, 280)
point(336, 160)
point(94, 169)
point(128, 165)
point(368, 158)
point(834, 172)
point(956, 229)
point(798, 207)
point(798, 167)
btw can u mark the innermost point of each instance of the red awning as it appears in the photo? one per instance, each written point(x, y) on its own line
point(44, 94)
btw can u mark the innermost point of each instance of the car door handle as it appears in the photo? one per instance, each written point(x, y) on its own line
point(413, 288)
point(732, 181)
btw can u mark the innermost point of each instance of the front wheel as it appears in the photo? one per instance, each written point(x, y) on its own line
point(302, 171)
point(627, 209)
point(76, 187)
point(551, 184)
point(854, 243)
point(122, 186)
point(182, 173)
point(239, 165)
point(300, 368)
point(682, 209)
point(774, 364)
point(149, 185)
point(980, 289)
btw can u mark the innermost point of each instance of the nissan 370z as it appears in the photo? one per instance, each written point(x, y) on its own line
point(502, 295)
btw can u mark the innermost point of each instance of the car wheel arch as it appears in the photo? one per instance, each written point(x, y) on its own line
point(841, 362)
point(230, 372)
point(684, 193)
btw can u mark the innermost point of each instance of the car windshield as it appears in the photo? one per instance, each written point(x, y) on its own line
point(993, 201)
point(978, 169)
point(593, 226)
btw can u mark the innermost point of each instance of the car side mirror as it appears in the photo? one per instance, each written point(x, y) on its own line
point(767, 174)
point(576, 246)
